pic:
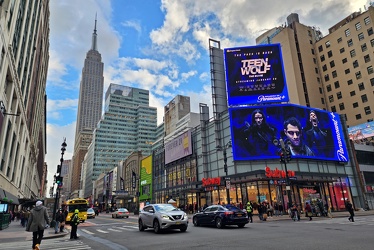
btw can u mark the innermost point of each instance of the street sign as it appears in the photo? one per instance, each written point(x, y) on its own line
point(227, 184)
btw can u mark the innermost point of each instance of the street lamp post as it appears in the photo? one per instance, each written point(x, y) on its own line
point(227, 179)
point(285, 156)
point(59, 180)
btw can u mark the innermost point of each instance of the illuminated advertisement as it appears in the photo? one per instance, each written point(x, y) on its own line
point(361, 133)
point(146, 178)
point(255, 75)
point(178, 147)
point(308, 133)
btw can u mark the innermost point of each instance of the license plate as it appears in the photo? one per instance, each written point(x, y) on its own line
point(178, 222)
point(239, 215)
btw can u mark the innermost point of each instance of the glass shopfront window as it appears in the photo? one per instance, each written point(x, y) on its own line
point(252, 192)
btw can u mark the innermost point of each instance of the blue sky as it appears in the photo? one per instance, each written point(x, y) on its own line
point(161, 46)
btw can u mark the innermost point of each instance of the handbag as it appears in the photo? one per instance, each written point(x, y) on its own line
point(310, 214)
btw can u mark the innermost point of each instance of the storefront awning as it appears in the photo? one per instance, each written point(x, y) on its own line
point(7, 197)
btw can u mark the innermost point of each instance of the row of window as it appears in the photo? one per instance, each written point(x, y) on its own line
point(339, 96)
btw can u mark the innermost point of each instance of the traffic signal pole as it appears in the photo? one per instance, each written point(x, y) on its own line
point(285, 156)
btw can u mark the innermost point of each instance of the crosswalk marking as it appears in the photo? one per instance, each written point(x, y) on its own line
point(114, 230)
point(359, 221)
point(102, 231)
point(47, 244)
point(86, 231)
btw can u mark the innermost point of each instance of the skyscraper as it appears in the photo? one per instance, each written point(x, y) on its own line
point(89, 106)
point(128, 125)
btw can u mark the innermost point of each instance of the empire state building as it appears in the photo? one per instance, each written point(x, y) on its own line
point(89, 107)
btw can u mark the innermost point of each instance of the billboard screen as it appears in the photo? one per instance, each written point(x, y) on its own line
point(178, 147)
point(361, 133)
point(309, 133)
point(255, 75)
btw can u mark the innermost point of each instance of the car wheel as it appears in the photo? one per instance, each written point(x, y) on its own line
point(156, 226)
point(195, 223)
point(219, 223)
point(241, 225)
point(127, 217)
point(141, 226)
point(183, 229)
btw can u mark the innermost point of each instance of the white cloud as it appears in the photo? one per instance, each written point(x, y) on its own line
point(133, 24)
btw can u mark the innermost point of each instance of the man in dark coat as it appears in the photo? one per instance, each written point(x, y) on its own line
point(350, 209)
point(37, 222)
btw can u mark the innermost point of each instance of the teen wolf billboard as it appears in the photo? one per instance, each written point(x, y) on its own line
point(255, 75)
point(309, 133)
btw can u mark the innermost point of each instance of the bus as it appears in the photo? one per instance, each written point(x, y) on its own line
point(77, 203)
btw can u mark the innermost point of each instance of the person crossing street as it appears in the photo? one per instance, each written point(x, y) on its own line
point(249, 209)
point(74, 225)
point(38, 220)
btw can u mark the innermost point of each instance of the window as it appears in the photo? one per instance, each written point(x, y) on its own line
point(370, 70)
point(320, 48)
point(367, 20)
point(320, 90)
point(347, 32)
point(347, 71)
point(329, 54)
point(358, 116)
point(322, 58)
point(358, 75)
point(372, 42)
point(367, 58)
point(339, 95)
point(352, 93)
point(364, 98)
point(350, 43)
point(310, 41)
point(340, 40)
point(334, 74)
point(314, 60)
point(361, 86)
point(372, 81)
point(355, 64)
point(342, 50)
point(370, 31)
point(328, 87)
point(367, 110)
point(350, 82)
point(364, 47)
point(327, 78)
point(312, 50)
point(353, 53)
point(358, 26)
point(341, 106)
point(344, 60)
point(333, 109)
point(328, 44)
point(316, 70)
point(331, 98)
point(324, 68)
point(332, 64)
point(318, 80)
point(361, 36)
point(322, 101)
point(337, 84)
point(355, 105)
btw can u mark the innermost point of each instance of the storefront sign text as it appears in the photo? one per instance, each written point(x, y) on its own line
point(211, 181)
point(278, 173)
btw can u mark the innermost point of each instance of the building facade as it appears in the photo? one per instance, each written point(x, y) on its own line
point(89, 107)
point(128, 125)
point(24, 56)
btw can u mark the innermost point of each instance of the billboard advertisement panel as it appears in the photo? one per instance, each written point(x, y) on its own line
point(178, 147)
point(146, 178)
point(361, 133)
point(255, 75)
point(309, 133)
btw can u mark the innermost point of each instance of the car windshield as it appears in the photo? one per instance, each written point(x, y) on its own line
point(232, 208)
point(90, 210)
point(122, 209)
point(165, 208)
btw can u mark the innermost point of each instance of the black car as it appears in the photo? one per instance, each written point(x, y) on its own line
point(220, 216)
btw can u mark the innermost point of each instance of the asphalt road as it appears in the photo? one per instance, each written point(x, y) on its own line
point(321, 233)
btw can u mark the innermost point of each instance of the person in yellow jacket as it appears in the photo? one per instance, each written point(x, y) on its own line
point(249, 208)
point(74, 225)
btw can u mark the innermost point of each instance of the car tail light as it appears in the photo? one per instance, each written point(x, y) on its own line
point(229, 213)
point(120, 212)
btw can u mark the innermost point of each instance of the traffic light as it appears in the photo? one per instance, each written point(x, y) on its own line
point(58, 169)
point(288, 155)
point(59, 181)
point(282, 159)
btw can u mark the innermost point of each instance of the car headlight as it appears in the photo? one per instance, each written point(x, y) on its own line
point(185, 216)
point(164, 216)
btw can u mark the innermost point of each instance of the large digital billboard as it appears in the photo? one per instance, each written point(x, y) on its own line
point(361, 133)
point(178, 147)
point(309, 133)
point(255, 75)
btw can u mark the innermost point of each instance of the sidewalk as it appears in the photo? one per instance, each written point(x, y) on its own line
point(15, 232)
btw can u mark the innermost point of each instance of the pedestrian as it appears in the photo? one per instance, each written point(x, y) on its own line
point(38, 220)
point(74, 225)
point(328, 209)
point(249, 209)
point(349, 208)
point(308, 211)
point(59, 219)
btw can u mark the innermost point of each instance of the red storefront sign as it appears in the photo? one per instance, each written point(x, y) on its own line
point(211, 181)
point(278, 173)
